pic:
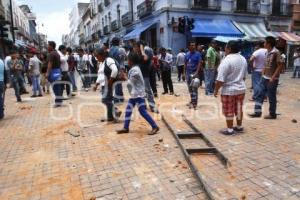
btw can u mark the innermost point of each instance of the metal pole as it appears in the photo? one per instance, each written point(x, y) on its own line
point(12, 21)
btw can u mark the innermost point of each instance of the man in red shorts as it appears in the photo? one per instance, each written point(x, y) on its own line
point(231, 77)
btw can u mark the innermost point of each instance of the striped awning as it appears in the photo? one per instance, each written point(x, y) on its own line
point(253, 31)
point(290, 37)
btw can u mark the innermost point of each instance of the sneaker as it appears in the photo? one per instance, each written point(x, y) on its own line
point(33, 96)
point(254, 115)
point(226, 132)
point(57, 105)
point(171, 93)
point(40, 95)
point(86, 89)
point(164, 93)
point(123, 131)
point(238, 130)
point(270, 117)
point(19, 100)
point(154, 131)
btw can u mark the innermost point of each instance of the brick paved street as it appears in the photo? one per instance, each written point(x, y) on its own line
point(39, 159)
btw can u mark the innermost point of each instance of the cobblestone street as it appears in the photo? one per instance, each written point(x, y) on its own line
point(41, 159)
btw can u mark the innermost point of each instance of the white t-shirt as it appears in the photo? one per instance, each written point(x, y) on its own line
point(34, 65)
point(297, 60)
point(101, 76)
point(259, 59)
point(232, 72)
point(180, 61)
point(63, 62)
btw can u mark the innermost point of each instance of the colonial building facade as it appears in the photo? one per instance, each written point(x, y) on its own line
point(157, 21)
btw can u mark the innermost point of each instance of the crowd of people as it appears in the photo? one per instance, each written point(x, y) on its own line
point(140, 65)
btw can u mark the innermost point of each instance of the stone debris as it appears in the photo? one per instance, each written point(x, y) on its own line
point(74, 133)
point(294, 121)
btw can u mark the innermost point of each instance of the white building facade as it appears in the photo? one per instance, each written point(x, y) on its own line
point(156, 22)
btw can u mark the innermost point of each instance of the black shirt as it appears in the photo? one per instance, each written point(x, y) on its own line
point(145, 66)
point(54, 57)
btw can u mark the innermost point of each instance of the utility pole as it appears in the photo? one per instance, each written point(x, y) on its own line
point(12, 27)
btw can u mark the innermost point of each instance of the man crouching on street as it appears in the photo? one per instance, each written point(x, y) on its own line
point(136, 87)
point(231, 77)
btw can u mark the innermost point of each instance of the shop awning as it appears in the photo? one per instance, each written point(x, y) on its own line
point(20, 43)
point(253, 31)
point(135, 34)
point(226, 39)
point(214, 28)
point(291, 38)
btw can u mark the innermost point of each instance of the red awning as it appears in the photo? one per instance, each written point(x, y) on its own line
point(290, 37)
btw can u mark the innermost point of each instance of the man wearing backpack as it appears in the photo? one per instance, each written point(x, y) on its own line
point(115, 53)
point(111, 72)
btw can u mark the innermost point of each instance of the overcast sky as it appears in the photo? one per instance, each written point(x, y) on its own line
point(53, 15)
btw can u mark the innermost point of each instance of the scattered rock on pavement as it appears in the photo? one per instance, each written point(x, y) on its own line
point(74, 133)
point(294, 121)
point(161, 139)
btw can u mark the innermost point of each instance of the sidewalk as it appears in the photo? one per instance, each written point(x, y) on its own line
point(39, 159)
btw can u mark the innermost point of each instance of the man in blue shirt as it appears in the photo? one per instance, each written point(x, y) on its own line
point(192, 68)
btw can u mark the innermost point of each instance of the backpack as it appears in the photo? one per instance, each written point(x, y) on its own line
point(107, 71)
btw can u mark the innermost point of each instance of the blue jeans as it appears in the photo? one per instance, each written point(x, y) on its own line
point(209, 81)
point(18, 84)
point(119, 96)
point(36, 87)
point(193, 92)
point(140, 102)
point(107, 100)
point(149, 93)
point(267, 88)
point(73, 80)
point(1, 99)
point(296, 71)
point(256, 78)
point(57, 88)
point(84, 78)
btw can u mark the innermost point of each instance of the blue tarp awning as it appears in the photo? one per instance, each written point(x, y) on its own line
point(225, 39)
point(214, 28)
point(135, 34)
point(20, 43)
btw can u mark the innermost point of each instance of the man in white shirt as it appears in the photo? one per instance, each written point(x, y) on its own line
point(62, 51)
point(180, 61)
point(34, 68)
point(165, 60)
point(296, 64)
point(231, 77)
point(258, 60)
point(111, 71)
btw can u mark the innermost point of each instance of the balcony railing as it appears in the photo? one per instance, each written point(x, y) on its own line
point(106, 30)
point(115, 25)
point(100, 8)
point(285, 9)
point(252, 6)
point(206, 5)
point(106, 3)
point(127, 19)
point(144, 9)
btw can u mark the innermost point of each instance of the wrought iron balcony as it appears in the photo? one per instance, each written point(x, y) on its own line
point(100, 8)
point(144, 9)
point(250, 6)
point(283, 9)
point(206, 5)
point(106, 3)
point(127, 19)
point(115, 25)
point(106, 30)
